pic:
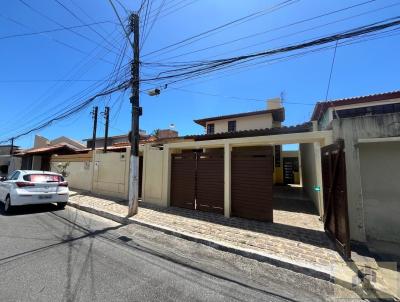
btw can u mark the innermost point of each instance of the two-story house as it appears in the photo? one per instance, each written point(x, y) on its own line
point(271, 117)
point(286, 167)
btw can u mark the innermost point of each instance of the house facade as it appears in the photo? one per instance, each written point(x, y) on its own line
point(272, 117)
point(38, 157)
point(369, 127)
point(8, 162)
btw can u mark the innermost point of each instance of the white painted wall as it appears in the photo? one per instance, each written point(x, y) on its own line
point(380, 176)
point(311, 177)
point(111, 172)
point(153, 170)
point(79, 174)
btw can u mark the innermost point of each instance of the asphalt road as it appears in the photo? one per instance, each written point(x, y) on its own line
point(68, 255)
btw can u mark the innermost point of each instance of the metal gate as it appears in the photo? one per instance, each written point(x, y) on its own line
point(252, 183)
point(197, 181)
point(336, 219)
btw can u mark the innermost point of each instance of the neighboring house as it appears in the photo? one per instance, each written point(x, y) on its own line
point(122, 140)
point(272, 117)
point(41, 141)
point(38, 157)
point(369, 126)
point(112, 140)
point(8, 163)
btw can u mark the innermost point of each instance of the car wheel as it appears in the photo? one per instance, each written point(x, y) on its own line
point(7, 205)
point(61, 205)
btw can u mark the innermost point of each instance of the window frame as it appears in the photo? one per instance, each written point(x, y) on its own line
point(230, 124)
point(209, 127)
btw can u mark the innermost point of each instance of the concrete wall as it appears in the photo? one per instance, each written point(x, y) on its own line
point(244, 123)
point(153, 170)
point(311, 177)
point(351, 130)
point(380, 176)
point(111, 172)
point(79, 169)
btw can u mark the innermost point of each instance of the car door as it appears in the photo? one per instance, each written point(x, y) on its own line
point(5, 186)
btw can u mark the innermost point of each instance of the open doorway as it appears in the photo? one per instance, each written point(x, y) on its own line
point(292, 204)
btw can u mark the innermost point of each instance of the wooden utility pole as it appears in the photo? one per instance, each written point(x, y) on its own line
point(107, 117)
point(12, 147)
point(136, 112)
point(94, 115)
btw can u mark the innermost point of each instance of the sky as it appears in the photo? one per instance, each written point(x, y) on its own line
point(34, 69)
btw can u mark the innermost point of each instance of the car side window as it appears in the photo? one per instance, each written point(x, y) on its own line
point(10, 176)
point(16, 175)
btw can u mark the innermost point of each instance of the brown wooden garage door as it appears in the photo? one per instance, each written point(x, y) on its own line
point(251, 183)
point(197, 181)
point(210, 182)
point(183, 180)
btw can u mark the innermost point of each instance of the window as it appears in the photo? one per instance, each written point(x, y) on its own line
point(210, 128)
point(231, 126)
point(14, 176)
point(43, 178)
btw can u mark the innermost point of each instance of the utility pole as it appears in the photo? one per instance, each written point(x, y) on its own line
point(12, 146)
point(11, 165)
point(107, 117)
point(136, 112)
point(94, 115)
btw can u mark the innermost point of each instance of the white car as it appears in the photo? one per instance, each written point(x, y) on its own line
point(23, 187)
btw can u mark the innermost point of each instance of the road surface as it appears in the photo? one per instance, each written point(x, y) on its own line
point(69, 255)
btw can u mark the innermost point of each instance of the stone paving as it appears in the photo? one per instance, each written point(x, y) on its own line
point(293, 237)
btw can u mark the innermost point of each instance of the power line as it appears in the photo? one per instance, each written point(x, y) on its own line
point(72, 111)
point(232, 97)
point(209, 66)
point(50, 37)
point(82, 22)
point(282, 27)
point(51, 30)
point(236, 21)
point(59, 24)
point(120, 22)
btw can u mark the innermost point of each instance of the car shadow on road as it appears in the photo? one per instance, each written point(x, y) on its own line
point(29, 209)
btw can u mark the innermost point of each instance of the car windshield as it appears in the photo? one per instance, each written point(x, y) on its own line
point(43, 178)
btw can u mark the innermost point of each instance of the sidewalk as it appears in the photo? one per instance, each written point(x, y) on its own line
point(301, 246)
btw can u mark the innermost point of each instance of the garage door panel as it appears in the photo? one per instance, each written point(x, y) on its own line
point(210, 182)
point(252, 183)
point(183, 167)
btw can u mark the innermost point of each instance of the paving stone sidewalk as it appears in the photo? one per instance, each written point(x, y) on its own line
point(293, 239)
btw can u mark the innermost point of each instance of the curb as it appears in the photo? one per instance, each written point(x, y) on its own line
point(216, 245)
point(312, 272)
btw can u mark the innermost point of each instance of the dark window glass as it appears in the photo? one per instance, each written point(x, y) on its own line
point(369, 110)
point(210, 129)
point(231, 126)
point(43, 178)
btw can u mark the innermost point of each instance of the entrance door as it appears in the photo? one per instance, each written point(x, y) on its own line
point(289, 166)
point(336, 219)
point(252, 183)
